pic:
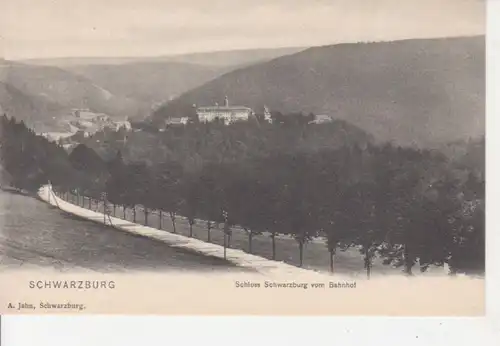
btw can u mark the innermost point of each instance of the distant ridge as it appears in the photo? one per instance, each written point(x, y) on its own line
point(148, 82)
point(143, 83)
point(214, 58)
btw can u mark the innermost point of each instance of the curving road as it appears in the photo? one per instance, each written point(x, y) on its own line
point(32, 233)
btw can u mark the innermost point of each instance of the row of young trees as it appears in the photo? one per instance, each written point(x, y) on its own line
point(404, 205)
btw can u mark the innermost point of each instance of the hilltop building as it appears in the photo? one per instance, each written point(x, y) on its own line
point(321, 119)
point(121, 124)
point(177, 121)
point(228, 114)
point(88, 115)
point(267, 115)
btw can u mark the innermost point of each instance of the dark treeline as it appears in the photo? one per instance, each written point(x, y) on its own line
point(410, 207)
point(29, 161)
point(198, 144)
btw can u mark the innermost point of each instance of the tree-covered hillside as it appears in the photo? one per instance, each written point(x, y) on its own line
point(200, 143)
point(419, 91)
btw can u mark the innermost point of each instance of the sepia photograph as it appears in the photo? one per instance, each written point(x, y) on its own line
point(300, 157)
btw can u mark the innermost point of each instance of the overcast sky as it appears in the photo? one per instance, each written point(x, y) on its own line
point(59, 28)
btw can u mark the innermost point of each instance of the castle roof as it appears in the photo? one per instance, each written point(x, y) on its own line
point(223, 108)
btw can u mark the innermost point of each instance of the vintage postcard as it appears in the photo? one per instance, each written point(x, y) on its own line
point(292, 157)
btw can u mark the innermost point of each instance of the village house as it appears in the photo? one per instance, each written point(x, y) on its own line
point(267, 115)
point(177, 121)
point(321, 119)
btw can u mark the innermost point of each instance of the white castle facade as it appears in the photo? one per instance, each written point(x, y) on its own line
point(228, 114)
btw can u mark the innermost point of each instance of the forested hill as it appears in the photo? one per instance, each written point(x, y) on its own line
point(66, 89)
point(470, 154)
point(419, 91)
point(197, 144)
point(35, 111)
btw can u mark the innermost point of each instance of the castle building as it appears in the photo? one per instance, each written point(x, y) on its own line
point(177, 121)
point(228, 114)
